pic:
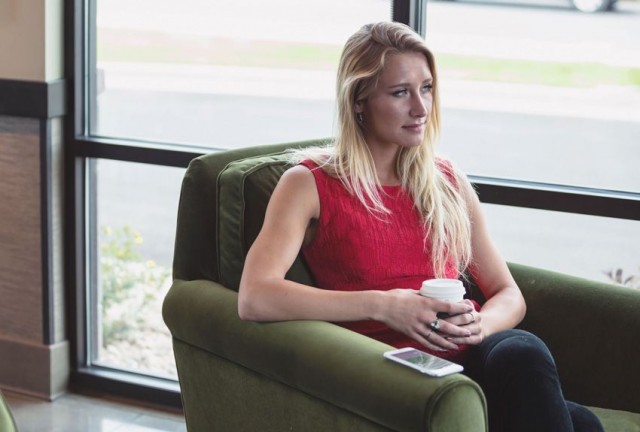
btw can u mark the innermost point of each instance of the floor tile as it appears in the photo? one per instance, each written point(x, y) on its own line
point(79, 413)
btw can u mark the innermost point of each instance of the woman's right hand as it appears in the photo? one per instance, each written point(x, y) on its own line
point(406, 311)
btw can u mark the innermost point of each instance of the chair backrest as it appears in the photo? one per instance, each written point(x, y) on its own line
point(222, 205)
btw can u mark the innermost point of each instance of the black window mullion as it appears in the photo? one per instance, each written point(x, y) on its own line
point(159, 154)
point(567, 199)
point(410, 12)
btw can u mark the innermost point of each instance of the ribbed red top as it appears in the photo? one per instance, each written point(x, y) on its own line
point(354, 250)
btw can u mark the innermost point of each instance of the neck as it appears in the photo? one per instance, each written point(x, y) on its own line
point(384, 160)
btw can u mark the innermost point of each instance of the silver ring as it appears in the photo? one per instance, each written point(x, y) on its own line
point(435, 325)
point(473, 319)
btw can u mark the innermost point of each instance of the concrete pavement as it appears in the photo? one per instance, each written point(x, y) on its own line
point(601, 103)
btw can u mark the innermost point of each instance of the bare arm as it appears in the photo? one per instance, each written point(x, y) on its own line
point(265, 295)
point(505, 306)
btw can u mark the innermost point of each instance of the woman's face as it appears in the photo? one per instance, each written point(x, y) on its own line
point(396, 111)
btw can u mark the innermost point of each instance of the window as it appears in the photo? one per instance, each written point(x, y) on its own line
point(221, 74)
point(540, 105)
point(133, 222)
point(159, 83)
point(547, 97)
point(555, 106)
point(592, 247)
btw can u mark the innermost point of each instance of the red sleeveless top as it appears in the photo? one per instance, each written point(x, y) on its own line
point(354, 250)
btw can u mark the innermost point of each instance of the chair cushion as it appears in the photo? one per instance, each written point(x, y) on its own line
point(244, 188)
point(618, 421)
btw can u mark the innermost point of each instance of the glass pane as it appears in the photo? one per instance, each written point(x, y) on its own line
point(535, 90)
point(135, 209)
point(219, 73)
point(592, 247)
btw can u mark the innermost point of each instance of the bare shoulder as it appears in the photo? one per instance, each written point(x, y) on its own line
point(298, 180)
point(298, 173)
point(297, 189)
point(457, 176)
point(466, 187)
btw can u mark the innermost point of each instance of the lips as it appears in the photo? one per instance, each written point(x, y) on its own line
point(415, 126)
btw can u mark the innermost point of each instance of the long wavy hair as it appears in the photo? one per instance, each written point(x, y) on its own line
point(437, 198)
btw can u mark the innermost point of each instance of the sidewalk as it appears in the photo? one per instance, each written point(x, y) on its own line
point(600, 103)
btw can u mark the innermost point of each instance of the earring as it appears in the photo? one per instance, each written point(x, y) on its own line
point(360, 117)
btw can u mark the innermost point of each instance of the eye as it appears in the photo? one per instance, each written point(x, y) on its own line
point(427, 88)
point(399, 93)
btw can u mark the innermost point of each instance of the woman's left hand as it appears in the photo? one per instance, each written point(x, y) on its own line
point(471, 321)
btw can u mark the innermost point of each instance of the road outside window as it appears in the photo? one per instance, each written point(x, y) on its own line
point(222, 74)
point(536, 93)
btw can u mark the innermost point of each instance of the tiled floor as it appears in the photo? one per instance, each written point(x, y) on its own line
point(77, 413)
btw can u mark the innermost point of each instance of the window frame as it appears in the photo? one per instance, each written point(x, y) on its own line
point(80, 148)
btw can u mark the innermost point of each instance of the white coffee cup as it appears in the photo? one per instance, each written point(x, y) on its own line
point(450, 290)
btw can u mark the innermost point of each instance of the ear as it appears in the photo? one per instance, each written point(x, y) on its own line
point(359, 106)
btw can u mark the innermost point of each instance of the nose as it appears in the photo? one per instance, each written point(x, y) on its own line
point(420, 105)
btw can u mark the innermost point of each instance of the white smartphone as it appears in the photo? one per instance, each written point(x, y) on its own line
point(423, 362)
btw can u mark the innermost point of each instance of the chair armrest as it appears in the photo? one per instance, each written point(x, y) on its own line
point(323, 360)
point(592, 329)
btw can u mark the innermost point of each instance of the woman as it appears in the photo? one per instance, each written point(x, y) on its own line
point(377, 213)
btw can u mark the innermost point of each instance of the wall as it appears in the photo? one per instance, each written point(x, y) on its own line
point(34, 352)
point(31, 39)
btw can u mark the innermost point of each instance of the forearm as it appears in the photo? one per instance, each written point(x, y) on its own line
point(503, 311)
point(279, 300)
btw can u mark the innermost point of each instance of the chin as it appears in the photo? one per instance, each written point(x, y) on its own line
point(412, 144)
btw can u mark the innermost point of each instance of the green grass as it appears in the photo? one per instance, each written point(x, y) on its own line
point(130, 46)
point(536, 72)
point(161, 48)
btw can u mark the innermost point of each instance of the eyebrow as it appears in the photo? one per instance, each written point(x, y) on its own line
point(405, 84)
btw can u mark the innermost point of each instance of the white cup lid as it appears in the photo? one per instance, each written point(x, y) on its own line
point(443, 289)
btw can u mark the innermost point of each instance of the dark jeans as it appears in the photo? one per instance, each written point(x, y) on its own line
point(519, 378)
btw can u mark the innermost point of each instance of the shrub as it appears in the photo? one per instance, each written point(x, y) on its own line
point(129, 285)
point(618, 276)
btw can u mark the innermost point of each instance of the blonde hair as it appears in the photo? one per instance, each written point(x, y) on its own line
point(444, 211)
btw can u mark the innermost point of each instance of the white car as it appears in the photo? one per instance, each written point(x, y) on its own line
point(593, 5)
point(589, 6)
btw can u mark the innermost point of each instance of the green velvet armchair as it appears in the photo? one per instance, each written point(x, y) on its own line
point(316, 376)
point(7, 424)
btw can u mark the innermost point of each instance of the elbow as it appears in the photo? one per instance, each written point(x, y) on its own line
point(243, 313)
point(522, 308)
point(256, 301)
point(247, 310)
